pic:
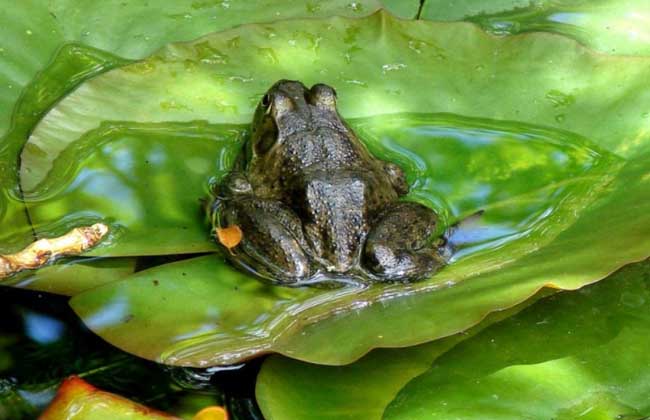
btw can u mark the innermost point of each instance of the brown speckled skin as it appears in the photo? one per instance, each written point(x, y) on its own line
point(313, 202)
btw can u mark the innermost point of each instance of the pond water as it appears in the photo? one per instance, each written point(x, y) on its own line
point(43, 342)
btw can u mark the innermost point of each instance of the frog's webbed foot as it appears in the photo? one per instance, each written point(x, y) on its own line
point(398, 247)
point(272, 244)
point(397, 178)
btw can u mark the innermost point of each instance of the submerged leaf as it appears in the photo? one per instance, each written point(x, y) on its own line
point(69, 277)
point(146, 181)
point(71, 66)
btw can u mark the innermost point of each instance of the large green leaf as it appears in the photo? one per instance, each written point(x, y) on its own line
point(556, 359)
point(33, 31)
point(71, 66)
point(200, 305)
point(146, 180)
point(286, 388)
point(422, 66)
point(575, 355)
point(610, 26)
point(74, 276)
point(555, 188)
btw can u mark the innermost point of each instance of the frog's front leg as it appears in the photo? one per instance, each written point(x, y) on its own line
point(398, 246)
point(272, 244)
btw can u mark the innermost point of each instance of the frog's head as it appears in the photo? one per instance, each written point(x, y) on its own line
point(287, 108)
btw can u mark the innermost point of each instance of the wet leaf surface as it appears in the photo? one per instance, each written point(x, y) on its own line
point(71, 276)
point(575, 355)
point(359, 391)
point(544, 187)
point(572, 355)
point(147, 181)
point(611, 26)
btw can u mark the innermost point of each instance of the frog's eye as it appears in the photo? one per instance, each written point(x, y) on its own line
point(266, 100)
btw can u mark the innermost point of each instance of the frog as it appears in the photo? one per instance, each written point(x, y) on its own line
point(312, 202)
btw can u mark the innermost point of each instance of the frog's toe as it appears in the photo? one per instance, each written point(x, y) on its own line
point(391, 264)
point(272, 245)
point(283, 263)
point(398, 247)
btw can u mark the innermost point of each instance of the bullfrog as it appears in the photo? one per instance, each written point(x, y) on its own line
point(312, 203)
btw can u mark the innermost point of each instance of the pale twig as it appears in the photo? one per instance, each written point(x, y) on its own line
point(43, 251)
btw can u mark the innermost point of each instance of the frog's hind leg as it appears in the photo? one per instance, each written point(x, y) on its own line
point(399, 247)
point(272, 244)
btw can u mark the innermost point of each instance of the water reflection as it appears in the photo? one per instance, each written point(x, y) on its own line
point(526, 180)
point(619, 27)
point(43, 342)
point(109, 315)
point(145, 180)
point(42, 328)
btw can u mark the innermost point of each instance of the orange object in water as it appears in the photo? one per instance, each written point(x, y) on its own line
point(212, 413)
point(230, 236)
point(78, 399)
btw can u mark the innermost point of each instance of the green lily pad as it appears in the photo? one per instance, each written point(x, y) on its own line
point(73, 276)
point(359, 391)
point(191, 299)
point(406, 9)
point(611, 26)
point(145, 180)
point(550, 196)
point(555, 359)
point(33, 32)
point(71, 66)
point(575, 355)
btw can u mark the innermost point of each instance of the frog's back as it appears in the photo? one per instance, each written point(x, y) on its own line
point(336, 208)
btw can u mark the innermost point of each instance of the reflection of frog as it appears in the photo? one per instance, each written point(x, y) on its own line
point(312, 202)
